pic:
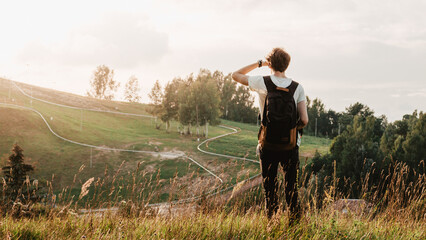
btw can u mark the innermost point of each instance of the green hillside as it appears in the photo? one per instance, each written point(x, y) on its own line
point(239, 217)
point(52, 155)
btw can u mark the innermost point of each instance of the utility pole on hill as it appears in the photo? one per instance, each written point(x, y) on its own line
point(28, 76)
point(31, 100)
point(91, 154)
point(10, 87)
point(81, 120)
point(339, 129)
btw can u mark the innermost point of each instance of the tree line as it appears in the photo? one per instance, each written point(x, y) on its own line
point(104, 86)
point(205, 97)
point(370, 147)
point(365, 146)
point(195, 100)
point(202, 99)
point(329, 123)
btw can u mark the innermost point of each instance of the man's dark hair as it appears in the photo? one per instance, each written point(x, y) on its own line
point(279, 59)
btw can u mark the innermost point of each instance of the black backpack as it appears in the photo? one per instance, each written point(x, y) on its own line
point(278, 130)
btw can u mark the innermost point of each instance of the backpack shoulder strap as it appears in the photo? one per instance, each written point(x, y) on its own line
point(263, 122)
point(293, 86)
point(270, 86)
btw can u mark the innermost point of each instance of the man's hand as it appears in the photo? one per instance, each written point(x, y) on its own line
point(265, 63)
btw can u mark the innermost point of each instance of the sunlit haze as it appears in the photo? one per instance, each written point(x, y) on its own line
point(373, 52)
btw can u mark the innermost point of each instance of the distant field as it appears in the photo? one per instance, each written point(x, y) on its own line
point(245, 142)
point(51, 155)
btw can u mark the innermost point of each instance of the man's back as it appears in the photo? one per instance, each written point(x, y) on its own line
point(277, 60)
point(257, 84)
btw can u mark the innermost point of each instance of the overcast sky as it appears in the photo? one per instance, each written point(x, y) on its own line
point(373, 52)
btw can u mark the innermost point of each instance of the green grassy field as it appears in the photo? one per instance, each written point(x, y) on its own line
point(245, 142)
point(61, 160)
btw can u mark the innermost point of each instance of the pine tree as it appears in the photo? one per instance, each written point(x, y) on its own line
point(16, 175)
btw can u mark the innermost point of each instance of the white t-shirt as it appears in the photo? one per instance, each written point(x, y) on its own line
point(257, 84)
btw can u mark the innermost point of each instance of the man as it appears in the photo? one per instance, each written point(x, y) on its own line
point(277, 60)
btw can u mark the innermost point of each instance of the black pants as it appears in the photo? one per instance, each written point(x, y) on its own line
point(289, 160)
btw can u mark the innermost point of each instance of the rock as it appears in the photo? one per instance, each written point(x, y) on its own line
point(352, 206)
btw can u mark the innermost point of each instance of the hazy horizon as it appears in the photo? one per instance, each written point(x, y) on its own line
point(342, 51)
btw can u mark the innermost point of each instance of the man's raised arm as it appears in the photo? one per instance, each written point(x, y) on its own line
point(240, 75)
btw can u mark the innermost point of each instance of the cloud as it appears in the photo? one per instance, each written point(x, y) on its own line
point(371, 51)
point(373, 63)
point(417, 93)
point(121, 40)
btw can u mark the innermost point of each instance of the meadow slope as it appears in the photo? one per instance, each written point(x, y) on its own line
point(61, 160)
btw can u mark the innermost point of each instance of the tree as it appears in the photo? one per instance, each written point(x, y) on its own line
point(219, 78)
point(404, 140)
point(103, 83)
point(131, 90)
point(204, 98)
point(198, 100)
point(236, 103)
point(357, 109)
point(156, 97)
point(317, 117)
point(332, 128)
point(16, 177)
point(227, 89)
point(355, 149)
point(360, 110)
point(414, 144)
point(156, 94)
point(185, 105)
point(170, 101)
point(241, 106)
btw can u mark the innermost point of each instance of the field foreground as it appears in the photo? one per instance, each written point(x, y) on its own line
point(214, 225)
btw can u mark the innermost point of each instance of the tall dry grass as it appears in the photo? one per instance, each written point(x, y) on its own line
point(121, 205)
